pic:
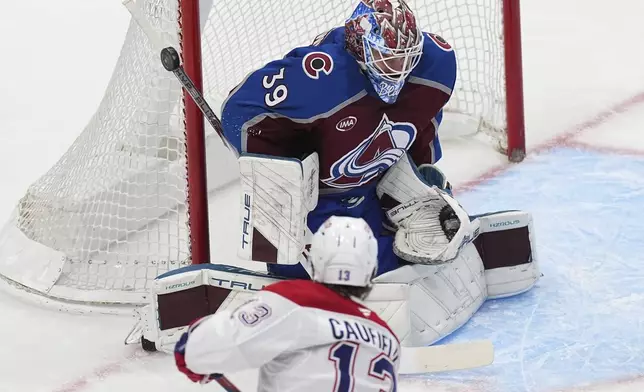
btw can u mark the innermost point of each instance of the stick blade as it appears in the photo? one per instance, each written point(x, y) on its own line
point(446, 357)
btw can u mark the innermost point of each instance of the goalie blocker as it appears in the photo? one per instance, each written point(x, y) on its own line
point(276, 196)
point(479, 257)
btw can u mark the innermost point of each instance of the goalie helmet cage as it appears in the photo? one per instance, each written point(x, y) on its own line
point(128, 200)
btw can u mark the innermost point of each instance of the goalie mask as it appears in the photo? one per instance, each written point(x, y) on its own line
point(344, 251)
point(386, 41)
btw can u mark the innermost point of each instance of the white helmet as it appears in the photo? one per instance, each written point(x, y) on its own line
point(344, 251)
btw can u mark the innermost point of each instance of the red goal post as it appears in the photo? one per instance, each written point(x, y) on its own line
point(197, 190)
point(515, 128)
point(129, 200)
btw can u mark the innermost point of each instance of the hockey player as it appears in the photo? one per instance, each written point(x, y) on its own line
point(304, 335)
point(355, 102)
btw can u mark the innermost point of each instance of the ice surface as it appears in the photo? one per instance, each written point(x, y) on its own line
point(584, 322)
point(579, 330)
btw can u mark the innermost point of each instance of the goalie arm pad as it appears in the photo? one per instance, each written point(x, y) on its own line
point(276, 196)
point(431, 227)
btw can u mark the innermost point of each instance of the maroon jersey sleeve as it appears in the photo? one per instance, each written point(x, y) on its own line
point(279, 137)
point(427, 147)
point(435, 77)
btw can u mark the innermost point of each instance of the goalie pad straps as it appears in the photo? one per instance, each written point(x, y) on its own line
point(276, 196)
point(431, 227)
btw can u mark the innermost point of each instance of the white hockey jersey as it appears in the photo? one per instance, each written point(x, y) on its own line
point(303, 337)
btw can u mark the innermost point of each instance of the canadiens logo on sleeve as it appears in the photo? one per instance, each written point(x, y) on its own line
point(316, 63)
point(375, 154)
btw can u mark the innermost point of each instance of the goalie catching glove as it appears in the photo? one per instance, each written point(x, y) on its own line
point(431, 227)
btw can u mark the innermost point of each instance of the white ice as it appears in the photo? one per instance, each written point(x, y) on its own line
point(584, 81)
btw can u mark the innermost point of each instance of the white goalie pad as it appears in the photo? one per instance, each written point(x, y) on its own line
point(181, 296)
point(421, 303)
point(425, 303)
point(276, 196)
point(431, 227)
point(508, 251)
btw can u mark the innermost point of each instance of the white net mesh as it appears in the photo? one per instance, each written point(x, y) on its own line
point(112, 210)
point(242, 35)
point(114, 204)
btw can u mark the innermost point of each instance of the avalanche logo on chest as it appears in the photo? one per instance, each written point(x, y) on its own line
point(372, 156)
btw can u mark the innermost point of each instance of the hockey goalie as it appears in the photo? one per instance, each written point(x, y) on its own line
point(348, 126)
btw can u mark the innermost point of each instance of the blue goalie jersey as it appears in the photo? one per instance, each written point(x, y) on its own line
point(317, 99)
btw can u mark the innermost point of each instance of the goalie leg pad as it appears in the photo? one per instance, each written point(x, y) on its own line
point(276, 196)
point(425, 303)
point(421, 303)
point(507, 247)
point(181, 296)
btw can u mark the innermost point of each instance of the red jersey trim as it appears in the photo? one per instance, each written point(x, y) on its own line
point(310, 294)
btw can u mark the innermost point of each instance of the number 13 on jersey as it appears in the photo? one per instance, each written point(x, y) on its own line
point(343, 355)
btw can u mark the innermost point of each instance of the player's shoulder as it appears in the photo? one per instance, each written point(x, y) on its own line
point(327, 64)
point(436, 44)
point(438, 62)
point(313, 295)
point(308, 81)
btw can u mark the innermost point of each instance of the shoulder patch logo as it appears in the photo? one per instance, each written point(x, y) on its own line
point(440, 42)
point(346, 124)
point(315, 63)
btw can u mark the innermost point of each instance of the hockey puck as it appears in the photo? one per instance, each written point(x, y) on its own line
point(170, 59)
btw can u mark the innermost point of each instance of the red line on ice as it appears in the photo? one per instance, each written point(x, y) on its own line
point(566, 139)
point(101, 373)
point(606, 149)
point(631, 384)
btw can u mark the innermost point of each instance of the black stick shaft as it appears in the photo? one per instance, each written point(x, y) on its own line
point(226, 384)
point(196, 95)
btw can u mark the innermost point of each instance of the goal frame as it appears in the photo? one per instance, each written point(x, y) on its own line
point(197, 192)
point(515, 115)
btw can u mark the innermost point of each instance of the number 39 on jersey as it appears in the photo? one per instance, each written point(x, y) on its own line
point(277, 91)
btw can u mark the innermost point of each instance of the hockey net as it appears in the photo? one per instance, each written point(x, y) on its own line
point(113, 214)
